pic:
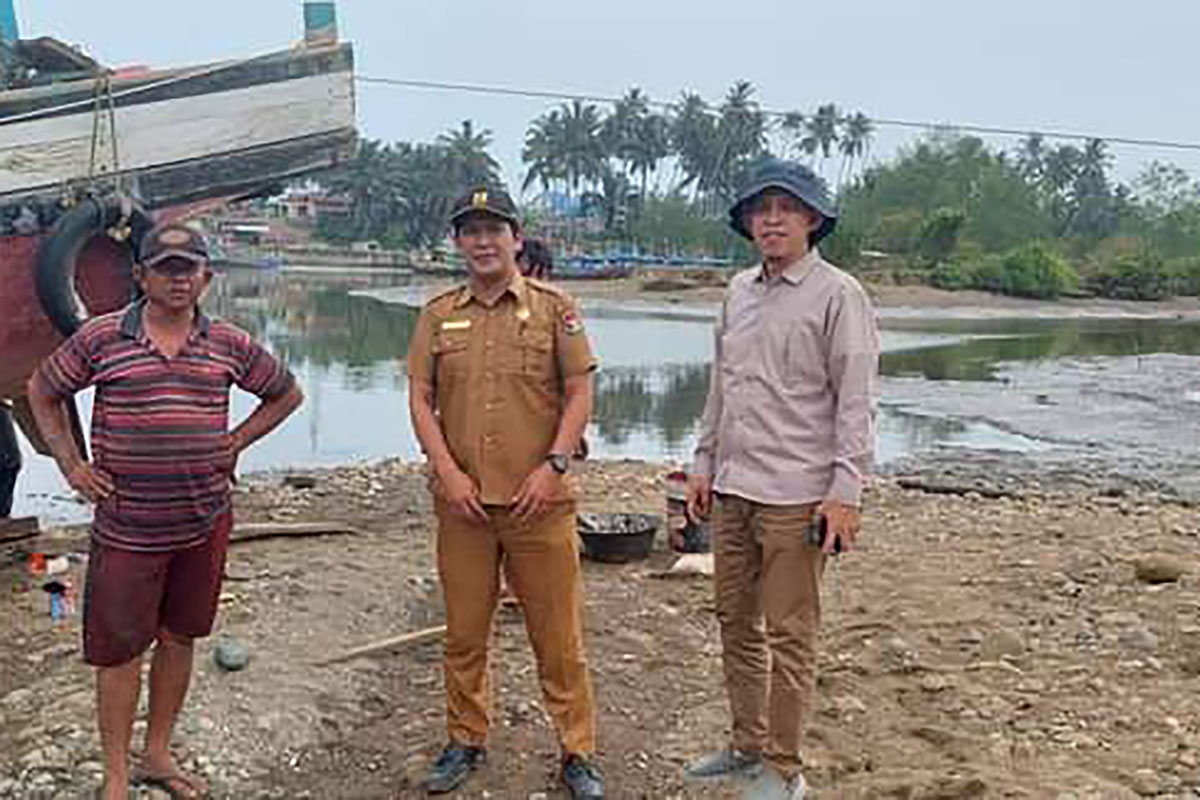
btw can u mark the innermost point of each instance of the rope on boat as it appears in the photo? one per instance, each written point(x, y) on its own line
point(103, 99)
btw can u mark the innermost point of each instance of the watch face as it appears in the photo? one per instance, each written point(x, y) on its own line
point(558, 463)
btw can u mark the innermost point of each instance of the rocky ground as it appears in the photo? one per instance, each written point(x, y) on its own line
point(1044, 644)
point(1017, 625)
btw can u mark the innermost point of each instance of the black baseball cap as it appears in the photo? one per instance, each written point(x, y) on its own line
point(172, 240)
point(485, 200)
point(793, 178)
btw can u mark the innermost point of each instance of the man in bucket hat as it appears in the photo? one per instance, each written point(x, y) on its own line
point(786, 441)
point(500, 373)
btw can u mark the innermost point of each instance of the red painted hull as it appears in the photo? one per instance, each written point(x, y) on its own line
point(27, 336)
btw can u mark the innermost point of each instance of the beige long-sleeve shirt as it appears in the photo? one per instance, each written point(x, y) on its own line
point(790, 416)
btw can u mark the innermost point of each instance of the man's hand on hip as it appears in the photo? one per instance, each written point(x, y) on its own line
point(94, 484)
point(231, 449)
point(536, 492)
point(842, 522)
point(699, 497)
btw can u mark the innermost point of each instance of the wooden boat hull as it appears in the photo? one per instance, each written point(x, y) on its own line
point(219, 130)
point(186, 139)
point(27, 335)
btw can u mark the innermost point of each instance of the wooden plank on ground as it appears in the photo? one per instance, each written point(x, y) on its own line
point(254, 531)
point(413, 637)
point(18, 529)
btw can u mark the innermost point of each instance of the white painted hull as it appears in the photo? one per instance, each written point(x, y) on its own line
point(45, 153)
point(253, 128)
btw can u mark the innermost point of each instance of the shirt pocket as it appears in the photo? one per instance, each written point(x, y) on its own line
point(450, 352)
point(537, 353)
point(803, 370)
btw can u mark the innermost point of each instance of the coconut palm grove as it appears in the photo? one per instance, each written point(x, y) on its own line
point(1040, 218)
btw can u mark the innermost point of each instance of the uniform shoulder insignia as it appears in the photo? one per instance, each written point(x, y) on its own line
point(572, 323)
point(548, 288)
point(443, 296)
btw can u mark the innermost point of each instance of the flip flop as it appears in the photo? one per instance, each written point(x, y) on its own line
point(178, 784)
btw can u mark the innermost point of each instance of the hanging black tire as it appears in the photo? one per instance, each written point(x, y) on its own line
point(10, 460)
point(58, 253)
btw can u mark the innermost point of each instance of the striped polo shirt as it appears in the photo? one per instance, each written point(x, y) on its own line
point(159, 424)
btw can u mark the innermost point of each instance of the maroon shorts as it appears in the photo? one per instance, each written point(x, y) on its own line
point(131, 597)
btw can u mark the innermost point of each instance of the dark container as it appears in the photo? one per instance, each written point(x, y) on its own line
point(617, 538)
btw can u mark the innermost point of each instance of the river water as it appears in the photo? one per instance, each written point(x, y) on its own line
point(346, 346)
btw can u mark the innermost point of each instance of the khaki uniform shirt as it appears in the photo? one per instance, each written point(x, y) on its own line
point(790, 416)
point(497, 373)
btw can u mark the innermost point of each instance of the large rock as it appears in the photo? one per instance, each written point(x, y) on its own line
point(1159, 568)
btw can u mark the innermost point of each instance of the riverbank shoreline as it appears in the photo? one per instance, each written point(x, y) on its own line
point(894, 303)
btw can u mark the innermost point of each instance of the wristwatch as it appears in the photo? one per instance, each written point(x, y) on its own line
point(559, 463)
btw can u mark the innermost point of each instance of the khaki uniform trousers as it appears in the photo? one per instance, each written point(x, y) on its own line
point(769, 606)
point(541, 563)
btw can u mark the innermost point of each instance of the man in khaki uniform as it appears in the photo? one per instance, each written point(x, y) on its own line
point(500, 375)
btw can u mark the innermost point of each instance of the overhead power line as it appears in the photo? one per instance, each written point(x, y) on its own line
point(882, 123)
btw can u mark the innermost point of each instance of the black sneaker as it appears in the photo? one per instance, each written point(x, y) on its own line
point(582, 779)
point(453, 766)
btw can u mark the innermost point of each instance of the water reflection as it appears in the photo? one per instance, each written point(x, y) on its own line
point(668, 400)
point(903, 432)
point(317, 323)
point(996, 341)
point(347, 350)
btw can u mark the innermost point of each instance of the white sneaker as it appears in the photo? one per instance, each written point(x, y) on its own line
point(728, 763)
point(772, 786)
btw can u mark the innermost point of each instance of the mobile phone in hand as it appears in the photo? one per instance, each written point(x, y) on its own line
point(815, 530)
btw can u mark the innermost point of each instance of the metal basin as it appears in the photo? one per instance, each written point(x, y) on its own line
point(617, 538)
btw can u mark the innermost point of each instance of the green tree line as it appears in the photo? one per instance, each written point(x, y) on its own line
point(1038, 219)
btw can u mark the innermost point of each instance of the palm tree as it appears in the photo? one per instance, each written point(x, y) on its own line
point(792, 127)
point(822, 130)
point(543, 151)
point(1062, 168)
point(857, 132)
point(422, 194)
point(368, 181)
point(468, 161)
point(742, 134)
point(565, 145)
point(582, 155)
point(622, 128)
point(654, 144)
point(636, 136)
point(1095, 209)
point(1031, 157)
point(693, 136)
point(1096, 159)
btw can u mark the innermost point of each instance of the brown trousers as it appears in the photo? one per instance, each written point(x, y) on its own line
point(769, 606)
point(541, 563)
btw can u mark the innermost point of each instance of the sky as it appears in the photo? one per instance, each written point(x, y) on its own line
point(1099, 67)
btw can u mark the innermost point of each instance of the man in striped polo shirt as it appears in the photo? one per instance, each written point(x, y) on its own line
point(160, 477)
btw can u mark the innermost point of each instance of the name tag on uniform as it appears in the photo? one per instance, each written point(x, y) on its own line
point(456, 324)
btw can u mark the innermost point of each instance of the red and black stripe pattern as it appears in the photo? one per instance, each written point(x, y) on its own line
point(159, 424)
